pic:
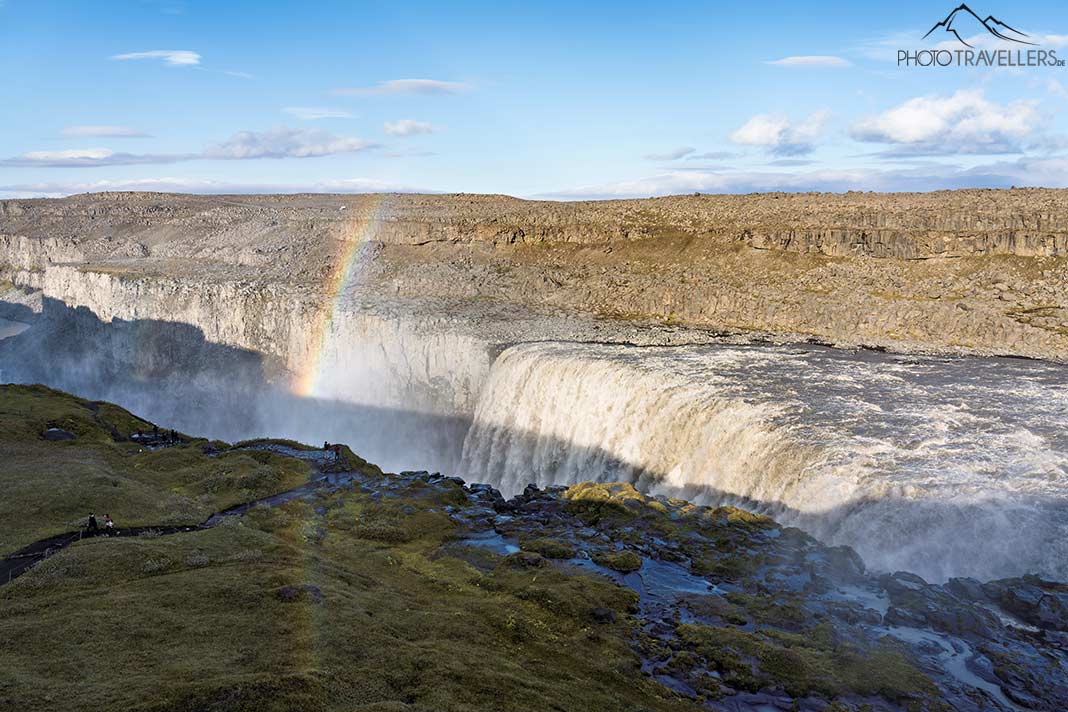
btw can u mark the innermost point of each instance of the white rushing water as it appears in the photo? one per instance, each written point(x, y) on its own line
point(941, 467)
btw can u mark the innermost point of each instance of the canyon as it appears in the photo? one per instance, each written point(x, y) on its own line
point(680, 344)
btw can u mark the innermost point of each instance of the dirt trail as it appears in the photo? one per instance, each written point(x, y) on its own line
point(14, 565)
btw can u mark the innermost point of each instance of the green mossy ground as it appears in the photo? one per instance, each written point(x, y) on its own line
point(50, 487)
point(370, 599)
point(808, 664)
point(343, 603)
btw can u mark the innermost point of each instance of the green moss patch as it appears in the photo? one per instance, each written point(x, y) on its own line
point(623, 561)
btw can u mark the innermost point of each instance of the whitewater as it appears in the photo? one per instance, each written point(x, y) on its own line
point(944, 467)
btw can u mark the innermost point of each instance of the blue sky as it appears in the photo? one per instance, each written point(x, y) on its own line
point(547, 99)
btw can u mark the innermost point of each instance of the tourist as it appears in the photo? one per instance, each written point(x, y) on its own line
point(109, 526)
point(92, 524)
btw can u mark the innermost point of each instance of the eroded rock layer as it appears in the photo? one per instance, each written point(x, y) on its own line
point(965, 271)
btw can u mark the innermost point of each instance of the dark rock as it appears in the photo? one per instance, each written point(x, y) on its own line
point(524, 560)
point(488, 493)
point(292, 594)
point(1041, 603)
point(961, 620)
point(58, 435)
point(845, 565)
point(903, 617)
point(966, 588)
point(604, 615)
point(903, 581)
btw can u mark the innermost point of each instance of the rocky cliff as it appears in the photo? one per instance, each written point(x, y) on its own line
point(966, 271)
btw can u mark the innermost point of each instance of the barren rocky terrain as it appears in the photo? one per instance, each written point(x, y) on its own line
point(978, 271)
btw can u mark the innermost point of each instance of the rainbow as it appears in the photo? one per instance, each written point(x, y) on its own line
point(345, 273)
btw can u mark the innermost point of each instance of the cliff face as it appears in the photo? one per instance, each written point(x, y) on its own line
point(968, 271)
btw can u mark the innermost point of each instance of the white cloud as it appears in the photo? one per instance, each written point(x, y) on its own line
point(673, 155)
point(71, 153)
point(965, 122)
point(406, 86)
point(279, 142)
point(779, 135)
point(811, 60)
point(407, 127)
point(284, 142)
point(985, 40)
point(170, 57)
point(1052, 173)
point(89, 157)
point(197, 185)
point(712, 156)
point(311, 113)
point(102, 132)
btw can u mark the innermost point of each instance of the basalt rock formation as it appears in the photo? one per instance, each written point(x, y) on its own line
point(979, 271)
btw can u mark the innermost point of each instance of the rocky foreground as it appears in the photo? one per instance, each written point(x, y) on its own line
point(364, 590)
point(979, 271)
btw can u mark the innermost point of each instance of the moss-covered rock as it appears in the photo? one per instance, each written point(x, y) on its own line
point(623, 561)
point(549, 548)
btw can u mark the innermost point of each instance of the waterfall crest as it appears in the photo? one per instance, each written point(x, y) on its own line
point(942, 468)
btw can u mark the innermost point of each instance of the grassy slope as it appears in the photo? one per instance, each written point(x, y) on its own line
point(222, 619)
point(50, 487)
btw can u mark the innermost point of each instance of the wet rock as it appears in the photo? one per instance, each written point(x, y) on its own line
point(1035, 601)
point(903, 617)
point(773, 610)
point(966, 588)
point(487, 493)
point(845, 565)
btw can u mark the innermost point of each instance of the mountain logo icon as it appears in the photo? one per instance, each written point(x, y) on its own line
point(964, 19)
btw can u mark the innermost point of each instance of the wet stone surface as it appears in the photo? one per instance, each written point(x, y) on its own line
point(738, 613)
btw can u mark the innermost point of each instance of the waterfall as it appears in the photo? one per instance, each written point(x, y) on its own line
point(561, 414)
point(944, 467)
point(941, 468)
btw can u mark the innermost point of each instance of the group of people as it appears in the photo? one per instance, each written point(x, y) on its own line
point(93, 527)
point(335, 448)
point(156, 436)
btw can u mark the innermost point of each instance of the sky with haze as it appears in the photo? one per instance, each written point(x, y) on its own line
point(538, 100)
